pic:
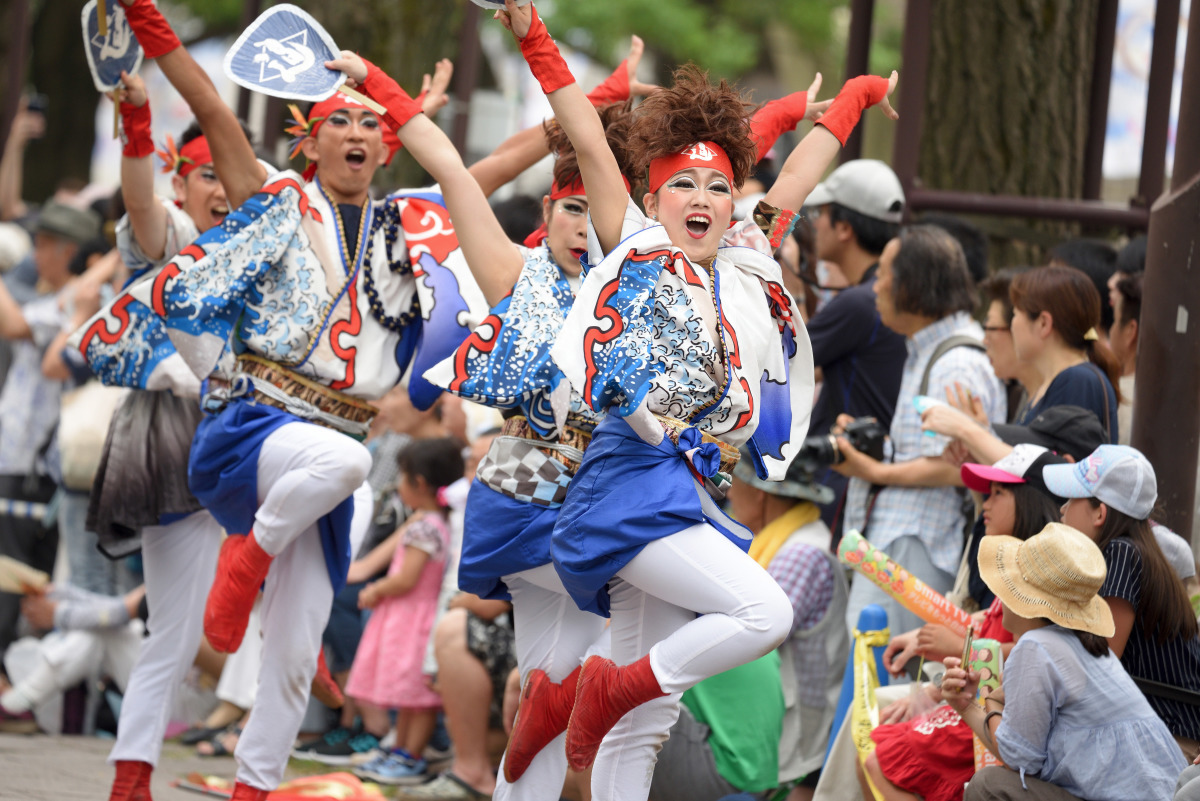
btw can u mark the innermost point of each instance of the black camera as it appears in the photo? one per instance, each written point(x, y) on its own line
point(38, 103)
point(821, 451)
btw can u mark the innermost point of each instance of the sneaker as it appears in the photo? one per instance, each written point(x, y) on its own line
point(342, 753)
point(339, 735)
point(395, 769)
point(358, 760)
point(438, 757)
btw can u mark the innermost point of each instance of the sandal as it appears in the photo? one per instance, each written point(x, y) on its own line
point(196, 734)
point(221, 744)
point(445, 787)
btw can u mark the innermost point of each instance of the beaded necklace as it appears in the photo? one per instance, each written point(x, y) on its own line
point(391, 234)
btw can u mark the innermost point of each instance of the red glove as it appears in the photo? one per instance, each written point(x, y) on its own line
point(615, 88)
point(775, 118)
point(856, 96)
point(151, 28)
point(383, 90)
point(135, 131)
point(544, 60)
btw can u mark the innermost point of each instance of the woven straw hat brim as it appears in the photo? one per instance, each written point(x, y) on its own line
point(999, 568)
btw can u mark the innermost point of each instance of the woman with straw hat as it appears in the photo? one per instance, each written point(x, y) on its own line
point(1076, 721)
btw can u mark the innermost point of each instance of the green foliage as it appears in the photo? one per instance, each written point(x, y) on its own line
point(724, 36)
point(218, 16)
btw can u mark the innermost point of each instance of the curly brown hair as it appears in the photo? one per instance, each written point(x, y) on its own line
point(694, 110)
point(616, 119)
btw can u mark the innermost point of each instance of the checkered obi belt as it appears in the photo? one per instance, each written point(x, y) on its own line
point(272, 384)
point(525, 467)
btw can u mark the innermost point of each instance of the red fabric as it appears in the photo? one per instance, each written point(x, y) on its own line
point(244, 792)
point(241, 570)
point(605, 693)
point(574, 188)
point(776, 118)
point(153, 32)
point(192, 155)
point(992, 627)
point(324, 688)
point(701, 154)
point(932, 756)
point(542, 715)
point(537, 237)
point(546, 63)
point(615, 88)
point(132, 781)
point(135, 131)
point(379, 86)
point(857, 95)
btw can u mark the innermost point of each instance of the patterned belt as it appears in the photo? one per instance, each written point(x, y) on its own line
point(729, 454)
point(274, 385)
point(570, 437)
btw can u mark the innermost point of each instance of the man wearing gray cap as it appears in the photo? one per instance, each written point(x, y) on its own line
point(859, 206)
point(29, 401)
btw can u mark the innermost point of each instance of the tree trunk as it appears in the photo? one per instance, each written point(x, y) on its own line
point(59, 70)
point(405, 38)
point(1007, 107)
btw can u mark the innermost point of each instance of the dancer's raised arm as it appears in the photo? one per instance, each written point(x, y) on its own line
point(807, 163)
point(606, 190)
point(494, 259)
point(233, 156)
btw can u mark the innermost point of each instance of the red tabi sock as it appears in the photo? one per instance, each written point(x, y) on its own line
point(543, 714)
point(605, 693)
point(132, 782)
point(241, 570)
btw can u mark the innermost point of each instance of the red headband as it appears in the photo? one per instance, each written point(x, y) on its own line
point(187, 158)
point(316, 118)
point(701, 154)
point(576, 188)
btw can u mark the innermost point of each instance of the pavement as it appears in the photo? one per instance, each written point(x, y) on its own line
point(39, 767)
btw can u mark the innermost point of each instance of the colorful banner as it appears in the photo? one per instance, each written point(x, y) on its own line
point(915, 595)
point(864, 709)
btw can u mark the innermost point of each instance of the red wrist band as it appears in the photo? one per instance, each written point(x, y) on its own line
point(775, 118)
point(615, 88)
point(380, 87)
point(857, 95)
point(543, 58)
point(135, 130)
point(153, 32)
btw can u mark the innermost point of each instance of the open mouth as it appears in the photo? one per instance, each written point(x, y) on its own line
point(578, 253)
point(219, 213)
point(698, 225)
point(356, 158)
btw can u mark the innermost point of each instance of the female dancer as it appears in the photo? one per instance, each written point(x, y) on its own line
point(688, 342)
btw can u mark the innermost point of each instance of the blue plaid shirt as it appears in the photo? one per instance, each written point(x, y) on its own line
point(933, 514)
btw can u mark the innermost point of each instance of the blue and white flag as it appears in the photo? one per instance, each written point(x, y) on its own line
point(108, 55)
point(283, 54)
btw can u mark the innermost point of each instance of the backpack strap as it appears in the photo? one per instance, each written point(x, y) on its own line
point(948, 344)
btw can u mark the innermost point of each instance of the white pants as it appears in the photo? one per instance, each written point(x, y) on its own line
point(179, 561)
point(61, 660)
point(304, 472)
point(743, 614)
point(554, 635)
point(239, 676)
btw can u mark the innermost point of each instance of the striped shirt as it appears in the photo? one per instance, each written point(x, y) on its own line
point(1175, 662)
point(932, 514)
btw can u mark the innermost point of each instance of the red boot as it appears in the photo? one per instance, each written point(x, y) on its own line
point(241, 571)
point(605, 693)
point(542, 715)
point(324, 688)
point(244, 792)
point(132, 782)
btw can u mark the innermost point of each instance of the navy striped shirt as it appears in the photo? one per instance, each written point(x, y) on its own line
point(1175, 662)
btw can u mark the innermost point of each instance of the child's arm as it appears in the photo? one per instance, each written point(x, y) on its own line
point(607, 196)
point(486, 609)
point(807, 163)
point(397, 583)
point(375, 561)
